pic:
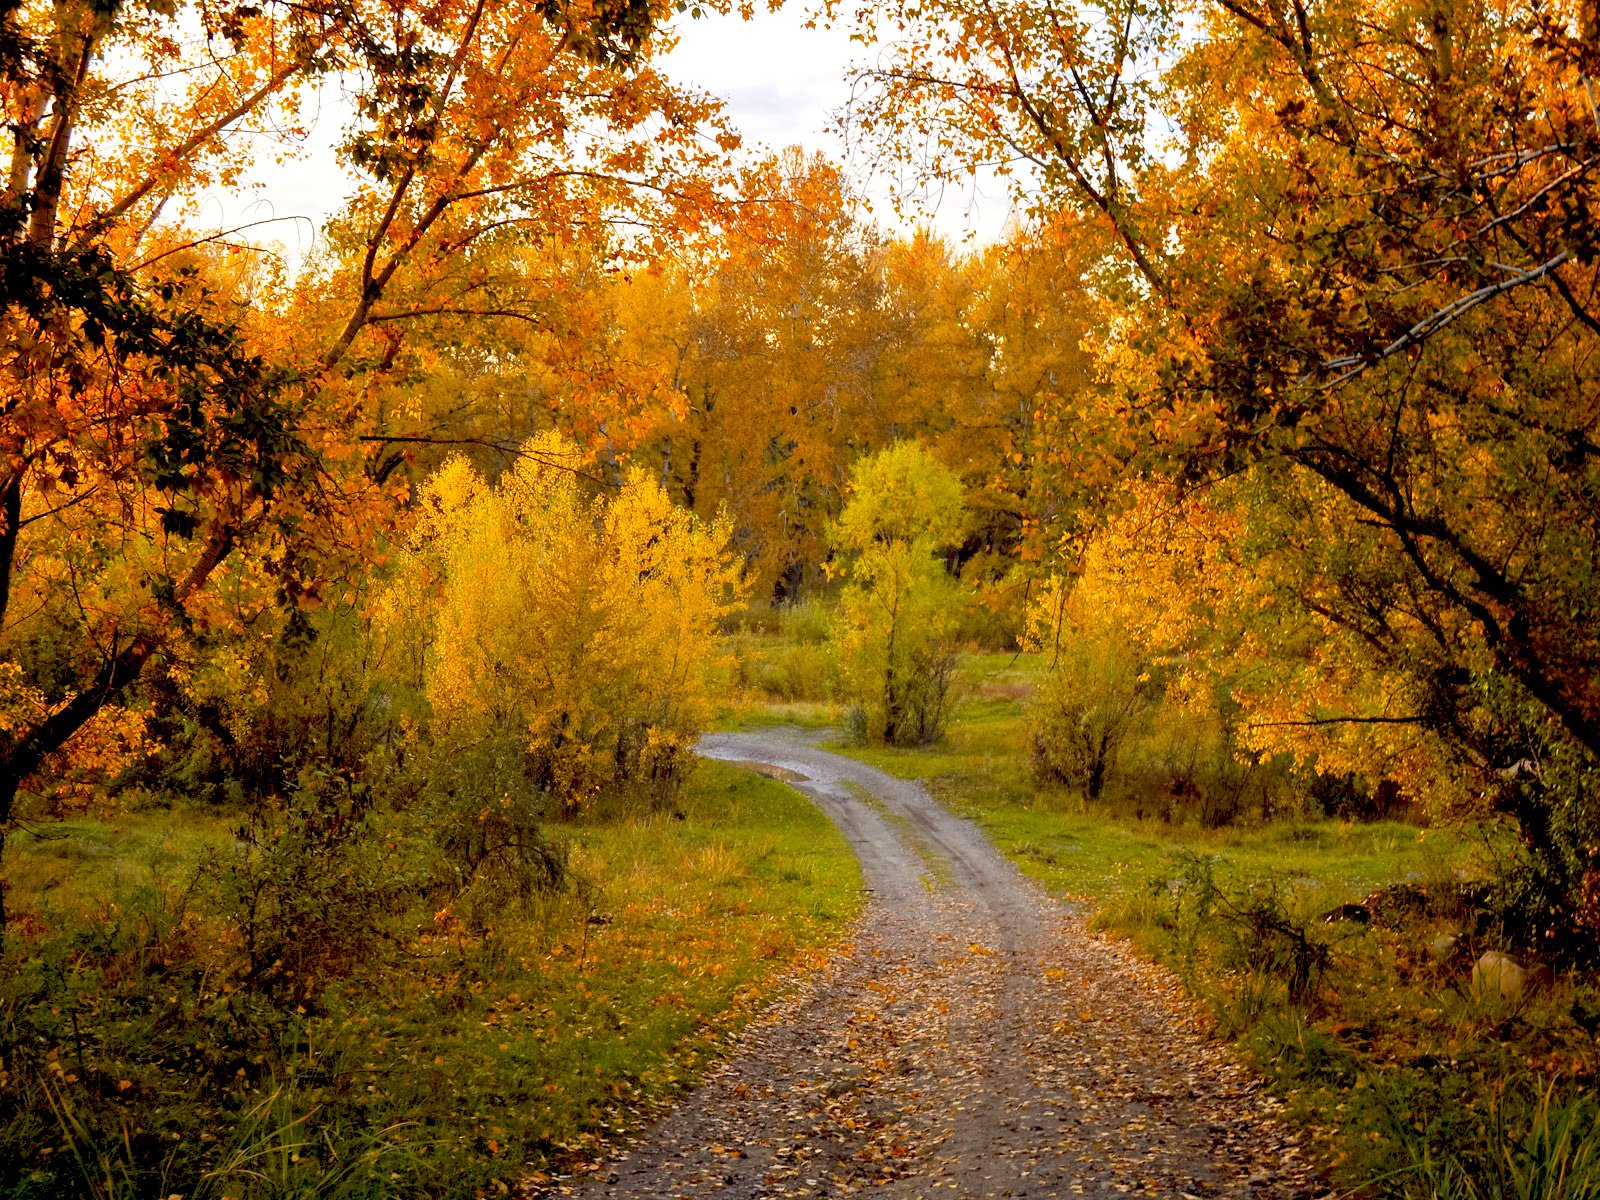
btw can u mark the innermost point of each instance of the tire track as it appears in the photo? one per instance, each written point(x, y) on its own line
point(974, 1041)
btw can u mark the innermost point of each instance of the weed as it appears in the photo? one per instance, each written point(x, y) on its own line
point(1538, 1144)
point(132, 1062)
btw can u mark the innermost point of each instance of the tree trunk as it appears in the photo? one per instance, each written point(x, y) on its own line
point(1098, 767)
point(8, 792)
point(891, 683)
point(10, 527)
point(50, 174)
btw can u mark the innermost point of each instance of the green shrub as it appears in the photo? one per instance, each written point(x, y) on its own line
point(1547, 893)
point(311, 887)
point(805, 622)
point(790, 671)
point(1095, 698)
point(899, 611)
point(785, 652)
point(1252, 928)
point(480, 828)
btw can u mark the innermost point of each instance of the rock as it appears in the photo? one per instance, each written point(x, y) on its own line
point(1443, 947)
point(1497, 974)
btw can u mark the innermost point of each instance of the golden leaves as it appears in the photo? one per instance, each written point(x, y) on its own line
point(581, 618)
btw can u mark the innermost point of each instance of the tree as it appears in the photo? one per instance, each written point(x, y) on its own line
point(775, 344)
point(1099, 691)
point(571, 623)
point(807, 340)
point(896, 612)
point(1016, 430)
point(1366, 270)
point(185, 440)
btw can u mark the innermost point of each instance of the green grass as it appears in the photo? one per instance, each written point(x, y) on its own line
point(746, 712)
point(1403, 1076)
point(980, 771)
point(466, 1064)
point(67, 872)
point(1082, 855)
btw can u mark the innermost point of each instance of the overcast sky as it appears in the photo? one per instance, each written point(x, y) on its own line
point(783, 84)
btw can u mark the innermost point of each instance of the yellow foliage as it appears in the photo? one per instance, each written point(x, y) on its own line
point(1176, 586)
point(577, 619)
point(896, 630)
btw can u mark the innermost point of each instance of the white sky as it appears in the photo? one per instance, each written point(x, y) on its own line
point(784, 84)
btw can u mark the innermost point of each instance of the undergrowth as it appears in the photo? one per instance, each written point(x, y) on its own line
point(1414, 1083)
point(461, 1055)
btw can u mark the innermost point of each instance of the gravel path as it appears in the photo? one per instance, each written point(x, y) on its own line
point(974, 1041)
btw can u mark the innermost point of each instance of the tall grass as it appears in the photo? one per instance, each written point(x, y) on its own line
point(1546, 1150)
point(135, 1060)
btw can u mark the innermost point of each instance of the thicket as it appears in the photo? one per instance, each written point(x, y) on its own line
point(898, 614)
point(786, 652)
point(1136, 709)
point(379, 791)
point(579, 627)
point(453, 1053)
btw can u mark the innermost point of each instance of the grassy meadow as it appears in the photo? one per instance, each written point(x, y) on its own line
point(1411, 1081)
point(465, 1065)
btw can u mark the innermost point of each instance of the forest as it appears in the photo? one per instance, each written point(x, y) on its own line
point(1219, 546)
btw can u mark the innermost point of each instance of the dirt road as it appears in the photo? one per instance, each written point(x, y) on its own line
point(975, 1041)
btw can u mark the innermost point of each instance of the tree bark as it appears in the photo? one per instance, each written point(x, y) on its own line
point(10, 527)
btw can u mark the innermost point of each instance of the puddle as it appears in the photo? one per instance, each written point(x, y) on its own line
point(770, 771)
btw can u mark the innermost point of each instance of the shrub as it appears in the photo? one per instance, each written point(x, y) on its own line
point(581, 624)
point(309, 888)
point(482, 826)
point(898, 614)
point(1259, 934)
point(1128, 722)
point(1094, 699)
point(1547, 893)
point(793, 656)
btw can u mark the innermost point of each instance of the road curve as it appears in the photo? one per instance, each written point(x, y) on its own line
point(974, 1041)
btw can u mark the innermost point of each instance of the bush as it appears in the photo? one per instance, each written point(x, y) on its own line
point(793, 657)
point(1259, 934)
point(1547, 892)
point(1352, 798)
point(483, 831)
point(1134, 729)
point(581, 624)
point(310, 888)
point(1095, 698)
point(898, 614)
